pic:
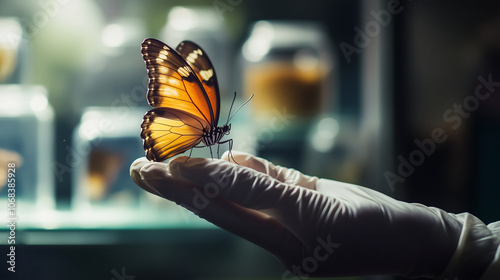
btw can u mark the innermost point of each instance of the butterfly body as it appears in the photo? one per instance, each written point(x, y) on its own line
point(184, 92)
point(214, 136)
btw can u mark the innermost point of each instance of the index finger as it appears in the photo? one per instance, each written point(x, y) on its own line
point(282, 174)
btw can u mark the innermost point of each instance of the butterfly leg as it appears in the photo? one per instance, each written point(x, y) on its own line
point(191, 151)
point(230, 151)
point(211, 155)
point(230, 143)
point(218, 146)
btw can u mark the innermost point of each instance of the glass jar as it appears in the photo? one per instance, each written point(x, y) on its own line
point(26, 139)
point(105, 143)
point(12, 52)
point(288, 67)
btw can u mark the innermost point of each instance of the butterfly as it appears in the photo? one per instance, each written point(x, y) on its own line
point(184, 93)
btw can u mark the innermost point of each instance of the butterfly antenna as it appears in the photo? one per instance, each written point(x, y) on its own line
point(231, 108)
point(229, 116)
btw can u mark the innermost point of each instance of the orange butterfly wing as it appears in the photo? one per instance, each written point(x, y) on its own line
point(183, 109)
point(173, 83)
point(204, 69)
point(168, 132)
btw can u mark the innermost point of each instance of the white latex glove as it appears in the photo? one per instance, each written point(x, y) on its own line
point(318, 227)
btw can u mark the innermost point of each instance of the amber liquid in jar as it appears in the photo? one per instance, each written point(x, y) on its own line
point(284, 87)
point(8, 59)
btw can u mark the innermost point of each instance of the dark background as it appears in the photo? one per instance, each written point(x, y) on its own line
point(431, 56)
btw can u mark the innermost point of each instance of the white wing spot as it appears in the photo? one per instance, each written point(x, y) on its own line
point(183, 71)
point(191, 58)
point(207, 74)
point(163, 54)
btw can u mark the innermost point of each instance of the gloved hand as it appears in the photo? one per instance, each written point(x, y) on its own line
point(315, 227)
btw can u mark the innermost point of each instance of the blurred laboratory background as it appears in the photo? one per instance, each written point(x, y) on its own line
point(398, 96)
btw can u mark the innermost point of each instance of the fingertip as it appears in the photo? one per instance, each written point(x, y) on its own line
point(154, 170)
point(179, 159)
point(225, 155)
point(138, 163)
point(240, 157)
point(173, 165)
point(142, 171)
point(137, 177)
point(184, 161)
point(135, 168)
point(179, 166)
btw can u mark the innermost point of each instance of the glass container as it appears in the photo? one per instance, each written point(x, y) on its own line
point(26, 139)
point(288, 67)
point(105, 143)
point(12, 51)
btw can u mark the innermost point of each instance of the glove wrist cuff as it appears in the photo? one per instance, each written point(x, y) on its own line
point(475, 250)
